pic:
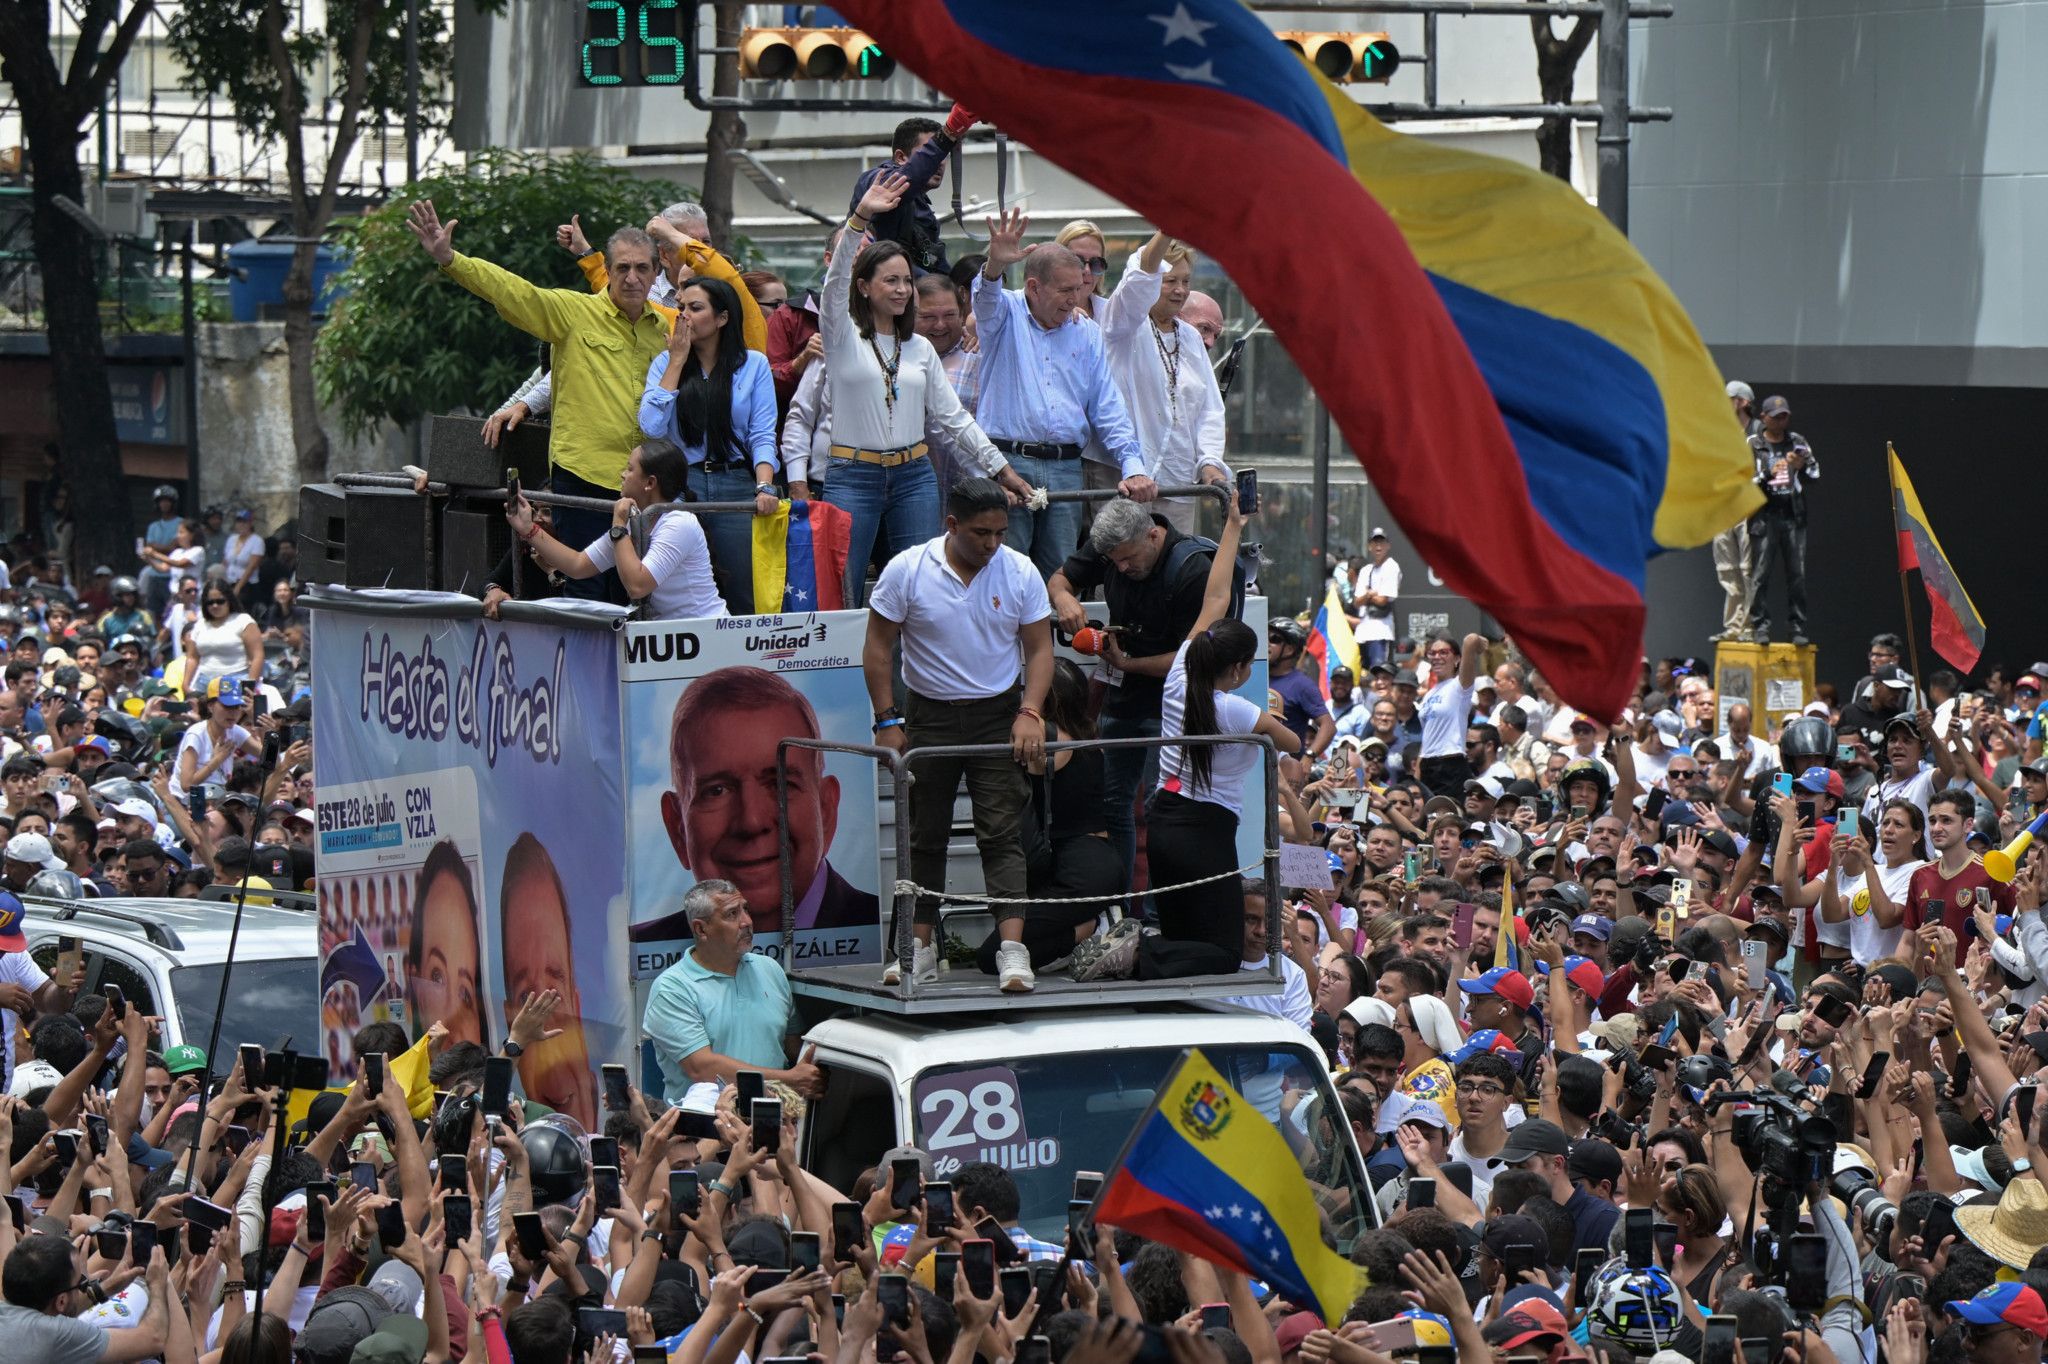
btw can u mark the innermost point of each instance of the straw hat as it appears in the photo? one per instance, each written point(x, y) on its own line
point(2014, 1230)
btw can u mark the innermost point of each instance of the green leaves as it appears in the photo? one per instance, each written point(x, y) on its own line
point(402, 341)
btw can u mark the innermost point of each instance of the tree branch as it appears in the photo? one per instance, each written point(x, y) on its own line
point(116, 53)
point(92, 21)
point(367, 13)
point(291, 124)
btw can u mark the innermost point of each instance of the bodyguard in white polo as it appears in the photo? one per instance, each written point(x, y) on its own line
point(974, 619)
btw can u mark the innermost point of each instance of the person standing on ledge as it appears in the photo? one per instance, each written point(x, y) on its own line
point(973, 615)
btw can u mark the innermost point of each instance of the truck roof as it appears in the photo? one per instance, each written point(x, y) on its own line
point(905, 1043)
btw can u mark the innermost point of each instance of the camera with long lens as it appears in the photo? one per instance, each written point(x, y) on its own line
point(1787, 1147)
point(1858, 1191)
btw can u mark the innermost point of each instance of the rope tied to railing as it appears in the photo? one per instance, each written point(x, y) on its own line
point(909, 887)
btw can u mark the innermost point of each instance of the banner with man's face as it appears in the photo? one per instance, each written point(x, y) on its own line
point(706, 704)
point(472, 838)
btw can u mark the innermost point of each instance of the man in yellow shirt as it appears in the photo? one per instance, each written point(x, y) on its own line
point(603, 344)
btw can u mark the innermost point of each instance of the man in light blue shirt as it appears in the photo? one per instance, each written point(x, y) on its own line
point(721, 1007)
point(1046, 389)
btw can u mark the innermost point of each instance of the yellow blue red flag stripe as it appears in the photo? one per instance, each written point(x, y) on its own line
point(1954, 622)
point(1526, 394)
point(1204, 1172)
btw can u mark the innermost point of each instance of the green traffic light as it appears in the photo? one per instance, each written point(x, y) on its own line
point(1381, 60)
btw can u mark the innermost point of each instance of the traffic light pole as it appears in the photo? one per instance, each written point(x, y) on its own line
point(1614, 112)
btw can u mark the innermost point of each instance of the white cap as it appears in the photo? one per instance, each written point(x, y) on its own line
point(1378, 533)
point(34, 849)
point(135, 807)
point(1668, 723)
point(32, 1075)
point(305, 814)
point(1738, 389)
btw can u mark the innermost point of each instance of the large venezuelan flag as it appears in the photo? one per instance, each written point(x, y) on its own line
point(1526, 394)
point(1204, 1172)
point(1953, 619)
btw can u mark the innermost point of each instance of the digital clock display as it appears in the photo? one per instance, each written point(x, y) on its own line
point(632, 42)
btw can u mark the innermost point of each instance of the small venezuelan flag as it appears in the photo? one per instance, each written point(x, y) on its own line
point(800, 558)
point(1526, 394)
point(1205, 1173)
point(1330, 643)
point(1957, 628)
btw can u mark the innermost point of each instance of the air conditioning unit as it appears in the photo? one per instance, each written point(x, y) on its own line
point(120, 207)
point(154, 143)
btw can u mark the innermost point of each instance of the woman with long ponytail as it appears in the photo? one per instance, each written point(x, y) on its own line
point(1191, 820)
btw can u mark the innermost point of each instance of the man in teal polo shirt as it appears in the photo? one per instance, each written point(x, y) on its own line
point(722, 1007)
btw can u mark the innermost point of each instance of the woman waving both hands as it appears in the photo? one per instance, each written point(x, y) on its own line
point(888, 388)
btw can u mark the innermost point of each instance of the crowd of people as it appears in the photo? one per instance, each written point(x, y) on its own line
point(1693, 1033)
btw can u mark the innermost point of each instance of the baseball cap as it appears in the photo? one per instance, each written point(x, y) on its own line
point(11, 914)
point(1406, 1108)
point(1489, 785)
point(1296, 1328)
point(1593, 1160)
point(227, 691)
point(1594, 926)
point(1405, 677)
point(340, 1320)
point(1582, 972)
point(2006, 1304)
point(1505, 982)
point(33, 849)
point(2029, 680)
point(94, 741)
point(1775, 404)
point(1536, 1137)
point(33, 1075)
point(762, 1244)
point(1738, 389)
point(1484, 1040)
point(1378, 533)
point(135, 807)
point(402, 1339)
point(1821, 779)
point(184, 1060)
point(1496, 1235)
point(1514, 1328)
point(1668, 724)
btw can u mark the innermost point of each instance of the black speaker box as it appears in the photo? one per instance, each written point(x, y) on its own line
point(323, 533)
point(472, 544)
point(457, 455)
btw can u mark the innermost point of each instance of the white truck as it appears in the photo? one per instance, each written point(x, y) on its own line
point(1045, 1092)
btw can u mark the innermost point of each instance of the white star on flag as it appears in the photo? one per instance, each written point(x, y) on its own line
point(798, 594)
point(1182, 25)
point(1269, 1233)
point(1204, 74)
point(1215, 1214)
point(1236, 1210)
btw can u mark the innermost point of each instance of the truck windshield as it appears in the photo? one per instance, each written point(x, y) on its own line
point(1043, 1118)
point(266, 1001)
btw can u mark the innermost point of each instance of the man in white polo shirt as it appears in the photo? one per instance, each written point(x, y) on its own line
point(967, 609)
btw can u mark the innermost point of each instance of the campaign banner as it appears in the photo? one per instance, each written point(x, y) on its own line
point(471, 838)
point(707, 702)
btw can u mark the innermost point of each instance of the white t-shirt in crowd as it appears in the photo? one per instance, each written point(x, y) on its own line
point(221, 649)
point(1860, 932)
point(1917, 787)
point(1384, 579)
point(200, 744)
point(16, 968)
point(678, 557)
point(185, 563)
point(960, 639)
point(239, 552)
point(1228, 763)
point(1446, 710)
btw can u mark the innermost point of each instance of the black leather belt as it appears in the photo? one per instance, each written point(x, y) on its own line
point(1036, 449)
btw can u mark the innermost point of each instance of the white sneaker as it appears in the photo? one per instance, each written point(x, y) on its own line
point(924, 966)
point(1013, 964)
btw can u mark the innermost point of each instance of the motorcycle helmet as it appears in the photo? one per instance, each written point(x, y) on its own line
point(55, 885)
point(555, 1148)
point(1807, 742)
point(1636, 1309)
point(124, 583)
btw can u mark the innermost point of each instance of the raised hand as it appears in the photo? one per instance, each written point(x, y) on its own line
point(569, 236)
point(884, 192)
point(437, 239)
point(1005, 241)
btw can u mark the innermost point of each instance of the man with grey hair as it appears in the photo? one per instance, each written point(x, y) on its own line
point(1046, 388)
point(1152, 579)
point(721, 1007)
point(603, 345)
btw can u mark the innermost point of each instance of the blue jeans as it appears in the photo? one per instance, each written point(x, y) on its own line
point(1375, 651)
point(1047, 537)
point(731, 535)
point(576, 528)
point(1125, 772)
point(900, 504)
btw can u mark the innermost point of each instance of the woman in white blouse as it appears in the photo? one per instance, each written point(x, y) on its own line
point(241, 557)
point(886, 382)
point(223, 642)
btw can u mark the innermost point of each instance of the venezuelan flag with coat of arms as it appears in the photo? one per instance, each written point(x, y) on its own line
point(1521, 388)
point(800, 557)
point(1205, 1172)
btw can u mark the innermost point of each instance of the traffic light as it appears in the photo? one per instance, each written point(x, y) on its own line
point(1346, 58)
point(815, 54)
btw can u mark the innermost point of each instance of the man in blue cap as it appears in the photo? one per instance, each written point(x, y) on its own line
point(2005, 1324)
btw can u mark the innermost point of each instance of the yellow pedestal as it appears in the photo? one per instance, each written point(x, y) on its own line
point(1774, 680)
